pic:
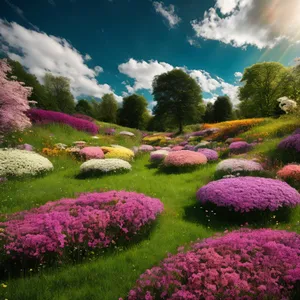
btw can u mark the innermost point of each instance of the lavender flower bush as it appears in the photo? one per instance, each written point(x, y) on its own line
point(239, 147)
point(210, 154)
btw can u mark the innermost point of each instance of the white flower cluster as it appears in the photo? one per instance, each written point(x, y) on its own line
point(15, 162)
point(238, 165)
point(128, 133)
point(287, 105)
point(105, 165)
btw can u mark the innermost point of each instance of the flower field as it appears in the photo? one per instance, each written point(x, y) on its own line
point(142, 226)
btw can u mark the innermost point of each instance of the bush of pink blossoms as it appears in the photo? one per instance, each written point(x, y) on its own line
point(47, 116)
point(91, 152)
point(244, 194)
point(209, 153)
point(93, 220)
point(146, 148)
point(245, 264)
point(184, 158)
point(239, 147)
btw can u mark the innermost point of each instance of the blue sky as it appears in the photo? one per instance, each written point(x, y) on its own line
point(119, 45)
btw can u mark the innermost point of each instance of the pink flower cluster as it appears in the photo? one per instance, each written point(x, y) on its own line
point(92, 152)
point(177, 148)
point(146, 148)
point(48, 116)
point(245, 194)
point(245, 264)
point(290, 172)
point(239, 147)
point(184, 158)
point(209, 153)
point(94, 220)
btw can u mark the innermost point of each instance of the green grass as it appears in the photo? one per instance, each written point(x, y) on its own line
point(111, 275)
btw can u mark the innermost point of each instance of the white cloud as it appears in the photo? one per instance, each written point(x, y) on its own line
point(42, 53)
point(261, 23)
point(143, 72)
point(238, 74)
point(87, 57)
point(204, 79)
point(167, 12)
point(232, 91)
point(193, 42)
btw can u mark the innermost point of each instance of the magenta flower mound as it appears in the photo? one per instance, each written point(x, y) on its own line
point(94, 220)
point(184, 158)
point(177, 148)
point(292, 142)
point(91, 152)
point(209, 153)
point(47, 116)
point(245, 264)
point(244, 194)
point(239, 147)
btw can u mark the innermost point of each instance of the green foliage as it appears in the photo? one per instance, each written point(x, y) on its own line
point(209, 113)
point(178, 98)
point(58, 88)
point(264, 83)
point(108, 108)
point(84, 107)
point(132, 113)
point(222, 109)
point(39, 93)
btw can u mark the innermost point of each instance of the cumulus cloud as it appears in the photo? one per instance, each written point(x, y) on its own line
point(87, 57)
point(193, 42)
point(143, 72)
point(168, 12)
point(262, 23)
point(42, 53)
point(238, 75)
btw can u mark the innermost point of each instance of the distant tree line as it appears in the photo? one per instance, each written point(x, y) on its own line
point(177, 95)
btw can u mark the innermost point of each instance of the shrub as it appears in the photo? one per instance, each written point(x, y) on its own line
point(93, 220)
point(155, 140)
point(103, 166)
point(231, 166)
point(189, 147)
point(290, 172)
point(177, 148)
point(244, 194)
point(184, 158)
point(239, 147)
point(232, 140)
point(146, 148)
point(244, 264)
point(14, 162)
point(202, 144)
point(122, 153)
point(47, 116)
point(292, 142)
point(158, 156)
point(209, 153)
point(92, 152)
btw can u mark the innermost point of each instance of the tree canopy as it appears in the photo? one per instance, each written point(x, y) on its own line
point(108, 108)
point(178, 98)
point(222, 109)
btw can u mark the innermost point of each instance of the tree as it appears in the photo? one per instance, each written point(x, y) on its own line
point(108, 108)
point(209, 113)
point(132, 112)
point(13, 102)
point(178, 98)
point(58, 88)
point(222, 109)
point(84, 107)
point(264, 83)
point(39, 93)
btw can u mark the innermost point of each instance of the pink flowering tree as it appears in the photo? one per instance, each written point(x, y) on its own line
point(13, 102)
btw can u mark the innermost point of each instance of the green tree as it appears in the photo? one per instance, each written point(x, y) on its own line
point(108, 108)
point(178, 98)
point(39, 93)
point(84, 107)
point(209, 113)
point(132, 112)
point(222, 109)
point(264, 83)
point(58, 88)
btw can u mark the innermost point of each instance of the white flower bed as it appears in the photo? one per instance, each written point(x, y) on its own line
point(105, 165)
point(238, 165)
point(14, 162)
point(128, 133)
